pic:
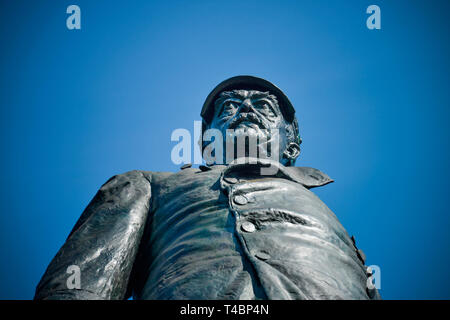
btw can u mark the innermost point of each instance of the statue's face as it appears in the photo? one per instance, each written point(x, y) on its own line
point(251, 113)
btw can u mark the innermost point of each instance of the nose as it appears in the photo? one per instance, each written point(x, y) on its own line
point(246, 106)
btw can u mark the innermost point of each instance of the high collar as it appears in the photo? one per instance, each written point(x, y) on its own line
point(306, 176)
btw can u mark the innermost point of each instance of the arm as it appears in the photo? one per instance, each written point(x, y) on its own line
point(103, 243)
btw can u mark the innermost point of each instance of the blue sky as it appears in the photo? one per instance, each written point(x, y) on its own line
point(78, 106)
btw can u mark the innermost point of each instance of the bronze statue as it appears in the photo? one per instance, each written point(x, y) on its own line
point(222, 231)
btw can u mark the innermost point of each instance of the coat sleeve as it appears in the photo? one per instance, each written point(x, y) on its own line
point(96, 260)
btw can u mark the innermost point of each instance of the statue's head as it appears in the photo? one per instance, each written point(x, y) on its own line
point(257, 111)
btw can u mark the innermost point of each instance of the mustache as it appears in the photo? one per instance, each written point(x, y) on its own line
point(249, 117)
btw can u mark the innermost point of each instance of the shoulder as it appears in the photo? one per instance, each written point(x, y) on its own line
point(310, 177)
point(136, 177)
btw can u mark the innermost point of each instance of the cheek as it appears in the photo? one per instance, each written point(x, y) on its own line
point(282, 137)
point(276, 123)
point(217, 124)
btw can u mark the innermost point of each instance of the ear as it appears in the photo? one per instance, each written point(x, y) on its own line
point(292, 152)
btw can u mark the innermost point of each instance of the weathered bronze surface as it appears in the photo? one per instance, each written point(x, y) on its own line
point(217, 232)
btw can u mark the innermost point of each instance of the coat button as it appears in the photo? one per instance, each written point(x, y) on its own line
point(262, 255)
point(231, 180)
point(240, 200)
point(248, 227)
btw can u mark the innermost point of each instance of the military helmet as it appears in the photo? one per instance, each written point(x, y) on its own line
point(247, 83)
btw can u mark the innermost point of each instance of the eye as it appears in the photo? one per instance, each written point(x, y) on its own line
point(228, 107)
point(265, 108)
